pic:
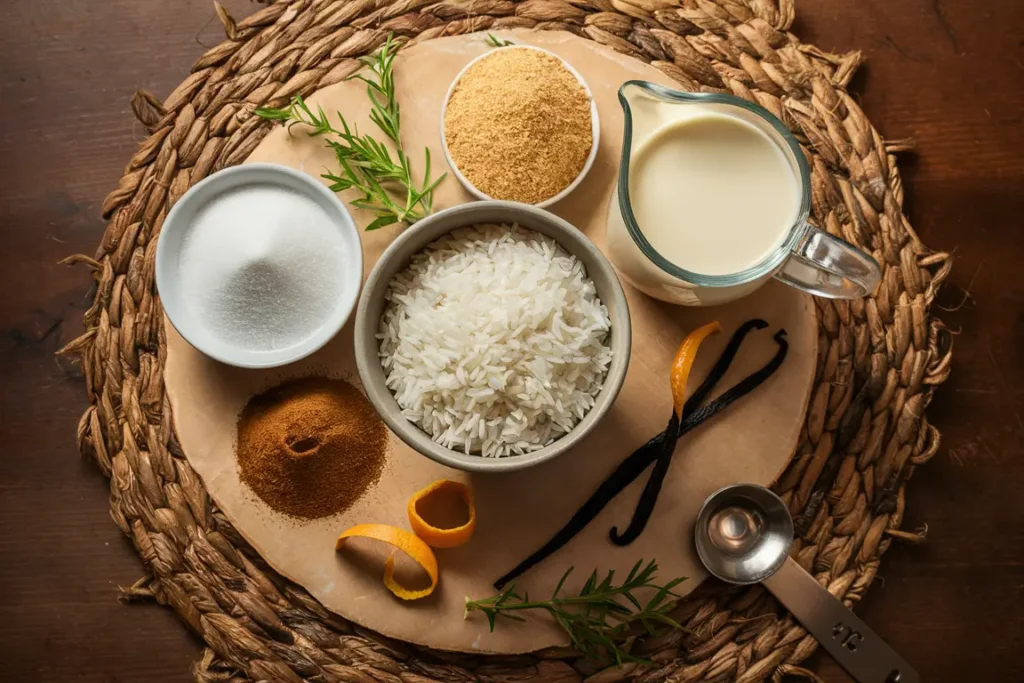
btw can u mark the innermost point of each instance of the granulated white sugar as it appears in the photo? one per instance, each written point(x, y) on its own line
point(261, 267)
point(494, 340)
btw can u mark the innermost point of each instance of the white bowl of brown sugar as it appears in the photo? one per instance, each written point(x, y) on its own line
point(520, 124)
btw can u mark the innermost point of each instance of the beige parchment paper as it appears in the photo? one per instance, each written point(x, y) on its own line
point(751, 442)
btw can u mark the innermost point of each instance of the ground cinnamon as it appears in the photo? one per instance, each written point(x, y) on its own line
point(310, 447)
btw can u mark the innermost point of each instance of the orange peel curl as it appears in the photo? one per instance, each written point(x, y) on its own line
point(438, 536)
point(407, 542)
point(683, 363)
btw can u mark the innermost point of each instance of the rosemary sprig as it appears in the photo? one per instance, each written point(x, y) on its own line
point(380, 88)
point(367, 166)
point(603, 618)
point(495, 41)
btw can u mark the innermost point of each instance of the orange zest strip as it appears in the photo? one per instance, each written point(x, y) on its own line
point(442, 537)
point(405, 541)
point(683, 363)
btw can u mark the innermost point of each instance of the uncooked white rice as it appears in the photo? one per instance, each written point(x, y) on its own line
point(494, 341)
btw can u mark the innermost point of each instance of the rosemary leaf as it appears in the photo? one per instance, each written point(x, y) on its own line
point(366, 164)
point(495, 41)
point(604, 618)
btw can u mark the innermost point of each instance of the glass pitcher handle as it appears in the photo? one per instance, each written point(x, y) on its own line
point(827, 266)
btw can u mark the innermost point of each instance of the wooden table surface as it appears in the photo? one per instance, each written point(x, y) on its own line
point(949, 73)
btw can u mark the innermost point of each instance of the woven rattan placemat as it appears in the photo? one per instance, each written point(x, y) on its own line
point(879, 362)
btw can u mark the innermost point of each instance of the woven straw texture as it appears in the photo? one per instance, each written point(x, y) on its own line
point(879, 361)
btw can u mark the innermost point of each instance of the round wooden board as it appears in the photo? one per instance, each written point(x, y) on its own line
point(752, 442)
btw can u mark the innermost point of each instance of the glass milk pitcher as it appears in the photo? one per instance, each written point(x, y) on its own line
point(728, 211)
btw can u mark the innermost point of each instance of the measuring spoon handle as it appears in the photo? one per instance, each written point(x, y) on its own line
point(845, 636)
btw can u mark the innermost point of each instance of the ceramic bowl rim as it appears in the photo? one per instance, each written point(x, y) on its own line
point(595, 127)
point(171, 233)
point(371, 305)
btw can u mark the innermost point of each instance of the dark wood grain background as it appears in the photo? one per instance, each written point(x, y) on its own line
point(949, 73)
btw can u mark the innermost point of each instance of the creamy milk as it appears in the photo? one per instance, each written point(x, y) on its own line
point(712, 193)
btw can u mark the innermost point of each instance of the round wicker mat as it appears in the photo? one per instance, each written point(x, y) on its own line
point(879, 359)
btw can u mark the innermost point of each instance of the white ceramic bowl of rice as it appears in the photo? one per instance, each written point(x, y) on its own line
point(492, 336)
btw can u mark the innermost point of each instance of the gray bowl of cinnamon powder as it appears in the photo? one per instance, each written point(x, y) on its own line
point(520, 124)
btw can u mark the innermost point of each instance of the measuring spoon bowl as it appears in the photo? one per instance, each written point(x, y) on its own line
point(743, 534)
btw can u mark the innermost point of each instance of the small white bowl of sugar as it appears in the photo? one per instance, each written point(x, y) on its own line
point(258, 265)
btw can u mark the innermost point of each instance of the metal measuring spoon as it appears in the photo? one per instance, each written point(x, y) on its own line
point(743, 534)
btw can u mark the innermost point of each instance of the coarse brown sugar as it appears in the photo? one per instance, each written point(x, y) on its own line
point(310, 447)
point(518, 125)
